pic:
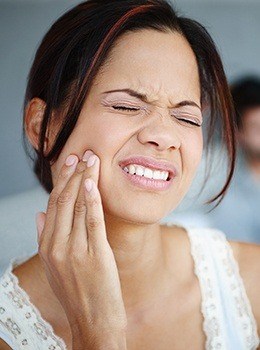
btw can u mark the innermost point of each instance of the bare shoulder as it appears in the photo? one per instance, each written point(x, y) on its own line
point(247, 256)
point(4, 346)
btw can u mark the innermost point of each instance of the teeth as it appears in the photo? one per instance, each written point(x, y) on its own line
point(165, 175)
point(146, 172)
point(139, 171)
point(157, 175)
point(131, 169)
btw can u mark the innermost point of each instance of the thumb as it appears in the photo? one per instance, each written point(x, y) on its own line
point(40, 221)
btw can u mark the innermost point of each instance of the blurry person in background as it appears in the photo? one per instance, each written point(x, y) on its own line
point(246, 96)
point(239, 212)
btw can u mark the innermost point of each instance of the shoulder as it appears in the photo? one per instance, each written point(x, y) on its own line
point(247, 256)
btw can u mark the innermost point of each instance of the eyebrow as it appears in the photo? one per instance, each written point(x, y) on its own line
point(144, 98)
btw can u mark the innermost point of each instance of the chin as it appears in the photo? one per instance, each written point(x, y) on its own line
point(136, 218)
point(146, 214)
point(138, 207)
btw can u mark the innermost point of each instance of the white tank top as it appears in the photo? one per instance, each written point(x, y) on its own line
point(229, 323)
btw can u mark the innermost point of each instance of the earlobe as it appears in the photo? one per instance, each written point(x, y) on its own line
point(33, 119)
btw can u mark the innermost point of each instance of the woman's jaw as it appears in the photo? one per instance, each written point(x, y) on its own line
point(117, 126)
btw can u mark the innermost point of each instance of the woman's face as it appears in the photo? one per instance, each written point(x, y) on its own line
point(163, 67)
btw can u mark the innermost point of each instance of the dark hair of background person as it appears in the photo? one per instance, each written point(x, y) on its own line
point(246, 94)
point(77, 45)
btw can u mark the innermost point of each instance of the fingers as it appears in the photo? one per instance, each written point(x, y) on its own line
point(95, 222)
point(40, 221)
point(75, 214)
point(66, 171)
point(81, 207)
point(68, 207)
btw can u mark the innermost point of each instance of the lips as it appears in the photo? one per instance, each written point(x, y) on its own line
point(151, 163)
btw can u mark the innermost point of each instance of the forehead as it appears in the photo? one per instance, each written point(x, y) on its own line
point(155, 63)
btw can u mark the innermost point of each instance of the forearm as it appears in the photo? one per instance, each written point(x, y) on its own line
point(106, 344)
point(99, 341)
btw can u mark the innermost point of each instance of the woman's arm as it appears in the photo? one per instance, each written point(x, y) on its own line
point(248, 257)
point(106, 341)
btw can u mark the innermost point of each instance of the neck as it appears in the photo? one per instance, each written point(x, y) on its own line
point(140, 260)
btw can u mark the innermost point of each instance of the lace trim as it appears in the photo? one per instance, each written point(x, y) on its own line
point(211, 304)
point(32, 317)
point(236, 286)
point(210, 312)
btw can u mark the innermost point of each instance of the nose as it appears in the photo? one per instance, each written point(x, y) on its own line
point(161, 132)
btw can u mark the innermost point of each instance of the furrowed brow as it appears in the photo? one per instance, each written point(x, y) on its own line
point(144, 98)
point(130, 92)
point(187, 103)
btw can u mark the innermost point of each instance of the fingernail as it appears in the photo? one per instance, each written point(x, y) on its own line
point(88, 184)
point(91, 160)
point(71, 160)
point(86, 155)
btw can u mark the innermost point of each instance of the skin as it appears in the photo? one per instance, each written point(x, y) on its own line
point(159, 289)
point(249, 137)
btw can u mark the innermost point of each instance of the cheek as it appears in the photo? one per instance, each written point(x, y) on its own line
point(191, 155)
point(106, 137)
point(102, 134)
point(103, 131)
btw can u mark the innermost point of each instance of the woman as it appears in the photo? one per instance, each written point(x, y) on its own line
point(114, 108)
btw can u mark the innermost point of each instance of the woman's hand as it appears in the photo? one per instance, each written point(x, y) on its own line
point(78, 260)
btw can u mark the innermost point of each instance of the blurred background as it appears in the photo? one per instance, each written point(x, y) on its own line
point(235, 27)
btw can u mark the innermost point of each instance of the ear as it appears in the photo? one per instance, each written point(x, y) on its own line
point(33, 119)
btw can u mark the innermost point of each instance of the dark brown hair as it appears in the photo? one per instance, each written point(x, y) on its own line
point(246, 94)
point(77, 45)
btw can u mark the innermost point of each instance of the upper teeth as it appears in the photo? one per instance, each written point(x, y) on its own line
point(146, 172)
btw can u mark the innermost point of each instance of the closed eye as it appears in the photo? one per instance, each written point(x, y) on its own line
point(123, 108)
point(190, 122)
point(130, 109)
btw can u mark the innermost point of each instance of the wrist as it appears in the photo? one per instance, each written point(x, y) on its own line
point(103, 340)
point(113, 343)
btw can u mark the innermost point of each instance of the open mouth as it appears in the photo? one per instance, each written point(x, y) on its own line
point(148, 173)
